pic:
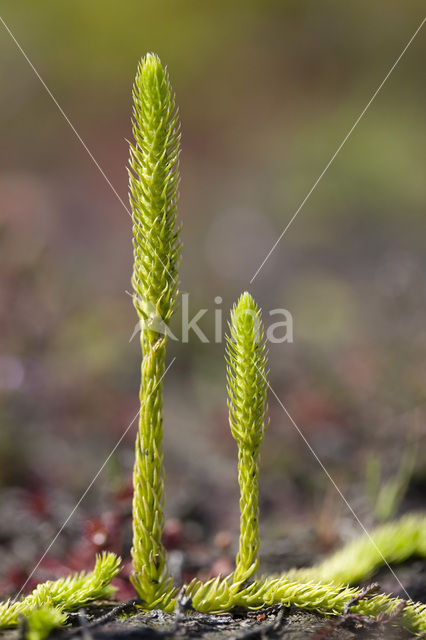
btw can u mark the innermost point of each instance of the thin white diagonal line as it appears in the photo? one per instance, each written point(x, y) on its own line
point(339, 148)
point(64, 524)
point(315, 455)
point(79, 138)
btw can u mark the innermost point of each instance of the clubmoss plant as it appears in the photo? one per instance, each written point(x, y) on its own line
point(321, 588)
point(66, 594)
point(153, 180)
point(246, 360)
point(330, 599)
point(153, 195)
point(219, 595)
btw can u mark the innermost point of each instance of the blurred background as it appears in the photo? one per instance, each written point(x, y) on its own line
point(267, 91)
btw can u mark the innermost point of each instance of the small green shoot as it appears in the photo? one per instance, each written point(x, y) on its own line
point(246, 373)
point(40, 622)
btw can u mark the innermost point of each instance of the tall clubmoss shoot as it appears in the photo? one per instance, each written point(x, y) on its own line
point(153, 181)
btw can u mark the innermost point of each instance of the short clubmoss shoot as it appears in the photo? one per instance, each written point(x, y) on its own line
point(246, 381)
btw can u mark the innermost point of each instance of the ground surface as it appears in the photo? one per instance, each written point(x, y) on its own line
point(106, 622)
point(276, 622)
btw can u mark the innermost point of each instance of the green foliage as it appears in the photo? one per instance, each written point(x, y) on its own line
point(153, 186)
point(66, 594)
point(396, 542)
point(246, 379)
point(386, 497)
point(41, 622)
point(219, 595)
point(323, 587)
point(153, 178)
point(153, 181)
